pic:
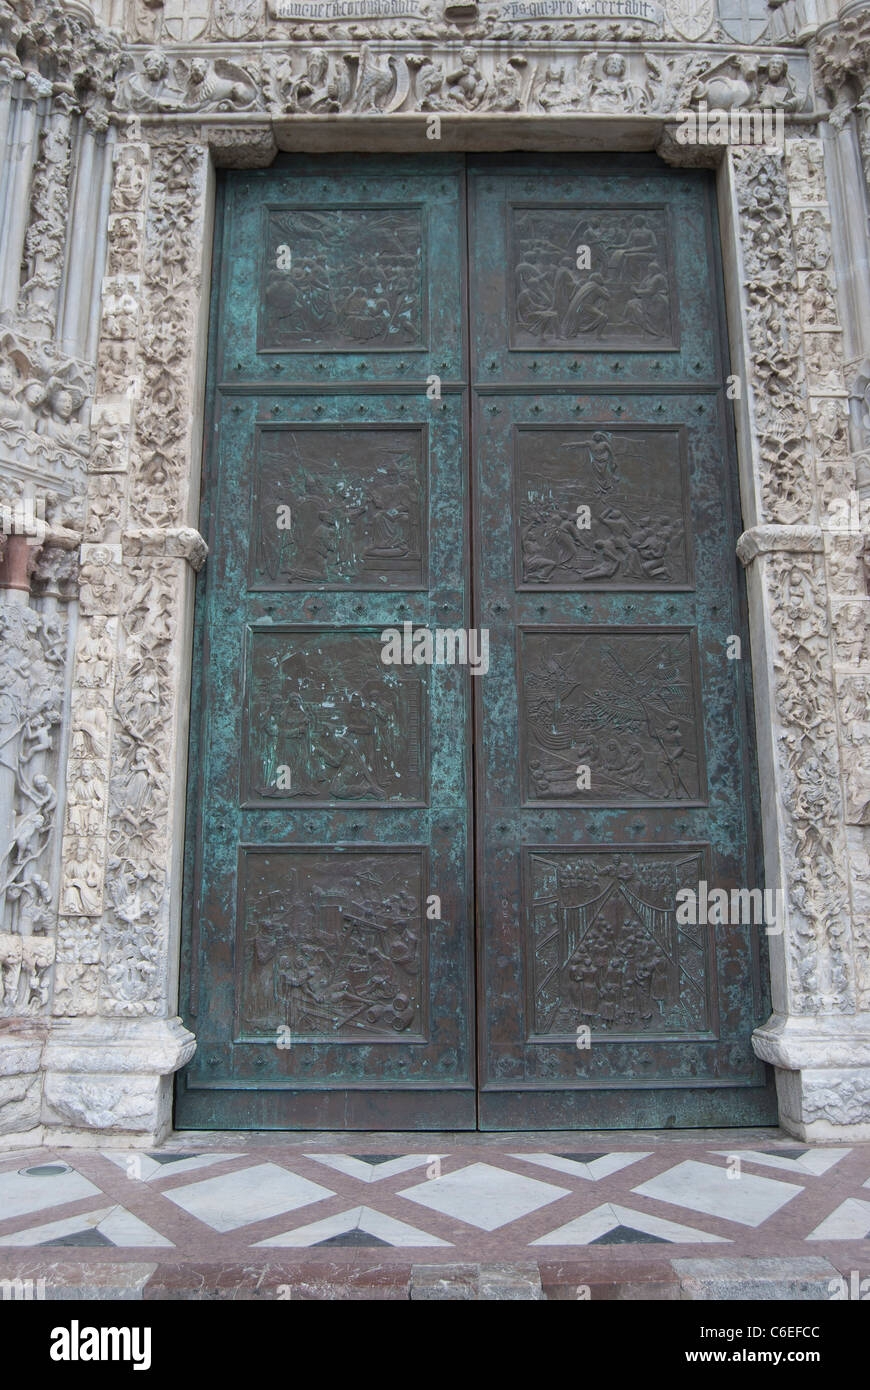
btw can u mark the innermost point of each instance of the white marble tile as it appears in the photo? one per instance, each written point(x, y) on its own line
point(252, 1194)
point(116, 1224)
point(811, 1163)
point(748, 1199)
point(592, 1170)
point(356, 1167)
point(22, 1192)
point(143, 1168)
point(850, 1221)
point(363, 1219)
point(484, 1196)
point(592, 1225)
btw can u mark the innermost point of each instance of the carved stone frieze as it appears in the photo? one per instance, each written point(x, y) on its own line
point(143, 440)
point(45, 240)
point(160, 81)
point(32, 660)
point(377, 77)
point(523, 21)
point(813, 845)
point(134, 941)
point(773, 328)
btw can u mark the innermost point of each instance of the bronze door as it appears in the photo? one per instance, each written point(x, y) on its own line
point(331, 791)
point(613, 760)
point(430, 398)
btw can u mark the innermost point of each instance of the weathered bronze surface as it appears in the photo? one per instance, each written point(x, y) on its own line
point(603, 508)
point(356, 509)
point(331, 945)
point(381, 376)
point(342, 279)
point(613, 763)
point(588, 277)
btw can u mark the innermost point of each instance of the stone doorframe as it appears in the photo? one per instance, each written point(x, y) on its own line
point(105, 1036)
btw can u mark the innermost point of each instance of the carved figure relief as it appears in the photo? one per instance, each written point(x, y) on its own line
point(349, 279)
point(818, 306)
point(44, 394)
point(332, 944)
point(339, 508)
point(606, 949)
point(738, 82)
point(616, 293)
point(316, 91)
point(615, 474)
point(774, 335)
point(32, 654)
point(345, 728)
point(25, 974)
point(158, 82)
point(621, 702)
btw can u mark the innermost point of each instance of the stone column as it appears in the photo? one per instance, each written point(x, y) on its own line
point(24, 135)
point(33, 633)
point(800, 555)
point(116, 1039)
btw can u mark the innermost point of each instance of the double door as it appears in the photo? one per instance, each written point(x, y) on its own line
point(471, 691)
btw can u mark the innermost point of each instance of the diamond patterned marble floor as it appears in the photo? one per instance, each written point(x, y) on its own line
point(227, 1202)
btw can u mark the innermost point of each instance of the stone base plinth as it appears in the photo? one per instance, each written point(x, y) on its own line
point(822, 1074)
point(112, 1077)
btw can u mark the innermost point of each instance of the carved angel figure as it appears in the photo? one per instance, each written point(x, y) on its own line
point(58, 405)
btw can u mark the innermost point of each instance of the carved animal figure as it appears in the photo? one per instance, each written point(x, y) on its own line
point(375, 80)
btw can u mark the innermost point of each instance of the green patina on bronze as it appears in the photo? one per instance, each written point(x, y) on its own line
point(399, 405)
